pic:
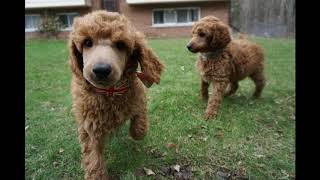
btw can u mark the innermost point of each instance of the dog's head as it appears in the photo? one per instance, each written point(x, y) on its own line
point(104, 45)
point(209, 34)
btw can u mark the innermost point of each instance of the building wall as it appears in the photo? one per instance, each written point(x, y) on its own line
point(141, 16)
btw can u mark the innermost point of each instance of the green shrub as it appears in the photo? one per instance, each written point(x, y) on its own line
point(50, 25)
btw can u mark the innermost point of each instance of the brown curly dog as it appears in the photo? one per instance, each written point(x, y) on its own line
point(224, 62)
point(105, 50)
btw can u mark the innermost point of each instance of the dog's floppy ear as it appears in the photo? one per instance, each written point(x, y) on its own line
point(220, 35)
point(75, 59)
point(151, 65)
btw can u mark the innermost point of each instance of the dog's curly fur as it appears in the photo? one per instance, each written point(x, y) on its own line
point(97, 115)
point(223, 61)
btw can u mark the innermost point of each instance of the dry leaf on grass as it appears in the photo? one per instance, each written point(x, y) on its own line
point(61, 150)
point(148, 172)
point(176, 167)
point(259, 155)
point(204, 127)
point(204, 138)
point(55, 163)
point(219, 135)
point(171, 145)
point(178, 172)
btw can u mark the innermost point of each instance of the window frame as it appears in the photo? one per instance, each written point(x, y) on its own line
point(32, 29)
point(68, 13)
point(174, 24)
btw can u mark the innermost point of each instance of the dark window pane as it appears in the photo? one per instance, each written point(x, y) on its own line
point(110, 5)
point(158, 17)
point(63, 20)
point(194, 15)
point(182, 16)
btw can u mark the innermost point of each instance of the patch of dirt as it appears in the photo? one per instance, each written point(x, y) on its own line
point(177, 172)
point(227, 174)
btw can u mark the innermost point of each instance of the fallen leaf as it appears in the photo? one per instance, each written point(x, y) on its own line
point(219, 135)
point(61, 150)
point(259, 155)
point(27, 127)
point(277, 101)
point(189, 136)
point(204, 139)
point(176, 167)
point(171, 145)
point(148, 172)
point(177, 172)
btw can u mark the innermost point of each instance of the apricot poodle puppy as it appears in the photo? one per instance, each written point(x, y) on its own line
point(223, 62)
point(105, 53)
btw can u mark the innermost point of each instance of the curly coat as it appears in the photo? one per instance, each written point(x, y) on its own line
point(97, 115)
point(224, 62)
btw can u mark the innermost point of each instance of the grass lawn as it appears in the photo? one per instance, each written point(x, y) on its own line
point(254, 138)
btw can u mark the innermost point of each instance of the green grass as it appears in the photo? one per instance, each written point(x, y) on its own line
point(257, 136)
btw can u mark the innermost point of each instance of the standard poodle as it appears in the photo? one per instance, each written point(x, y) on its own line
point(224, 62)
point(105, 53)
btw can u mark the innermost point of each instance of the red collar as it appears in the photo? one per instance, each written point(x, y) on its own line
point(122, 87)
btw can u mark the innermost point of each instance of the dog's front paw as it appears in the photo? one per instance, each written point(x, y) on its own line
point(138, 133)
point(210, 115)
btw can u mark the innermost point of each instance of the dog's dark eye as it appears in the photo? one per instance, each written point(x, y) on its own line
point(120, 45)
point(201, 34)
point(88, 43)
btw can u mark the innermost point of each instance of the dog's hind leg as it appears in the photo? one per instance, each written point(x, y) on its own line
point(260, 81)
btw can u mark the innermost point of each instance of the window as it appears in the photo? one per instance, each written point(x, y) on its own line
point(66, 20)
point(158, 17)
point(110, 5)
point(175, 17)
point(31, 23)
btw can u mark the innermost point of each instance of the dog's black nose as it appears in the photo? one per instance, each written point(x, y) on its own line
point(102, 70)
point(189, 46)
